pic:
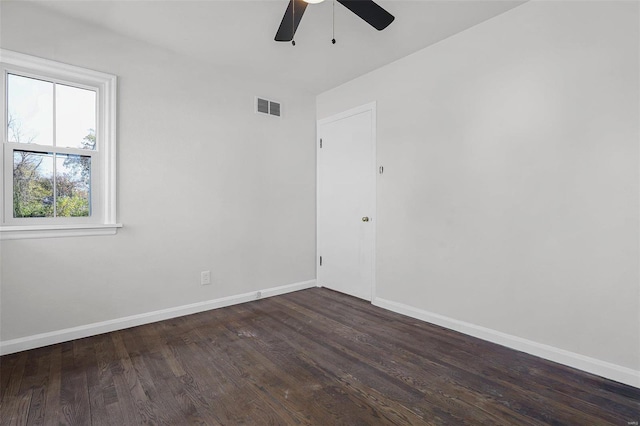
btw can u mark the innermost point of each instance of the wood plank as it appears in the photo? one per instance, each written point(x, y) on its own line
point(14, 407)
point(39, 387)
point(530, 394)
point(309, 357)
point(359, 369)
point(7, 363)
point(621, 398)
point(53, 406)
point(74, 395)
point(226, 371)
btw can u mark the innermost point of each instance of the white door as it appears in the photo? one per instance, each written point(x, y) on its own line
point(346, 202)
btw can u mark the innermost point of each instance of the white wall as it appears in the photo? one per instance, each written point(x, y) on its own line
point(509, 199)
point(204, 184)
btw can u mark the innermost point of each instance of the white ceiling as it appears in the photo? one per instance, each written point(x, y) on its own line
point(239, 33)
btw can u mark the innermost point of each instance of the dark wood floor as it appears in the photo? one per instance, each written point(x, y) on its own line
point(310, 357)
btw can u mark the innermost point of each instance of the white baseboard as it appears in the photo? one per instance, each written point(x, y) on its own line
point(59, 336)
point(591, 365)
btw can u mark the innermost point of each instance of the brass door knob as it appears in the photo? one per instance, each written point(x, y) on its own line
point(365, 219)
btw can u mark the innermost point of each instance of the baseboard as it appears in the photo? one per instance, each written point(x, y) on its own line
point(591, 365)
point(59, 336)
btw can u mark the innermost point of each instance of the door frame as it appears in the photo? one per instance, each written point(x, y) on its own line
point(371, 106)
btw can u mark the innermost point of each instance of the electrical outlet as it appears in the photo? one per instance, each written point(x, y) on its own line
point(205, 277)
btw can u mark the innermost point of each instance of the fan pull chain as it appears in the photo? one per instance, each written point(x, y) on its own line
point(293, 22)
point(333, 22)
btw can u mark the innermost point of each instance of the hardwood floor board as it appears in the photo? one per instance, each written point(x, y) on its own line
point(251, 376)
point(161, 378)
point(124, 397)
point(201, 391)
point(432, 336)
point(102, 384)
point(296, 385)
point(30, 375)
point(351, 353)
point(301, 376)
point(614, 393)
point(166, 332)
point(130, 361)
point(7, 363)
point(344, 375)
point(21, 405)
point(52, 405)
point(74, 396)
point(607, 409)
point(466, 359)
point(435, 399)
point(508, 379)
point(376, 349)
point(13, 401)
point(547, 385)
point(179, 403)
point(155, 341)
point(213, 385)
point(520, 365)
point(201, 406)
point(619, 393)
point(427, 334)
point(15, 376)
point(35, 416)
point(480, 344)
point(39, 388)
point(86, 349)
point(289, 396)
point(245, 334)
point(313, 357)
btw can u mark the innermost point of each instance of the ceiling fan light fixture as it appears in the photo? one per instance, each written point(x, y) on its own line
point(313, 1)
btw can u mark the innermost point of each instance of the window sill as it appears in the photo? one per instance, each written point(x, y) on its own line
point(55, 231)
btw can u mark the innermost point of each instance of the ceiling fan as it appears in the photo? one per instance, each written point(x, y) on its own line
point(368, 10)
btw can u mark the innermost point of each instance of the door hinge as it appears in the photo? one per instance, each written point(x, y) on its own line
point(320, 260)
point(320, 142)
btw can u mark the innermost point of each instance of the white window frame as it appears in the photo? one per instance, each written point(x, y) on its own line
point(103, 219)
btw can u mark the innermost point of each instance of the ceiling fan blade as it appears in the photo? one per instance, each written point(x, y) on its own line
point(290, 23)
point(369, 11)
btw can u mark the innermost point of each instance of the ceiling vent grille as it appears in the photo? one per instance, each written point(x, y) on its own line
point(265, 106)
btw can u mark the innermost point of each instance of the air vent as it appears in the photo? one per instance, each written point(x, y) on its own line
point(265, 106)
point(262, 106)
point(274, 108)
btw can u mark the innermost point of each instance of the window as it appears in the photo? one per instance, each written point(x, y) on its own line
point(58, 165)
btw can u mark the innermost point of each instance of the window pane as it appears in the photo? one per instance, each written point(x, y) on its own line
point(30, 110)
point(32, 184)
point(73, 185)
point(75, 117)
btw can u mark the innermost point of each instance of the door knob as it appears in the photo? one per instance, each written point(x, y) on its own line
point(365, 219)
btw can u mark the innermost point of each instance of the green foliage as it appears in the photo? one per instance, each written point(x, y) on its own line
point(28, 203)
point(33, 189)
point(32, 192)
point(74, 206)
